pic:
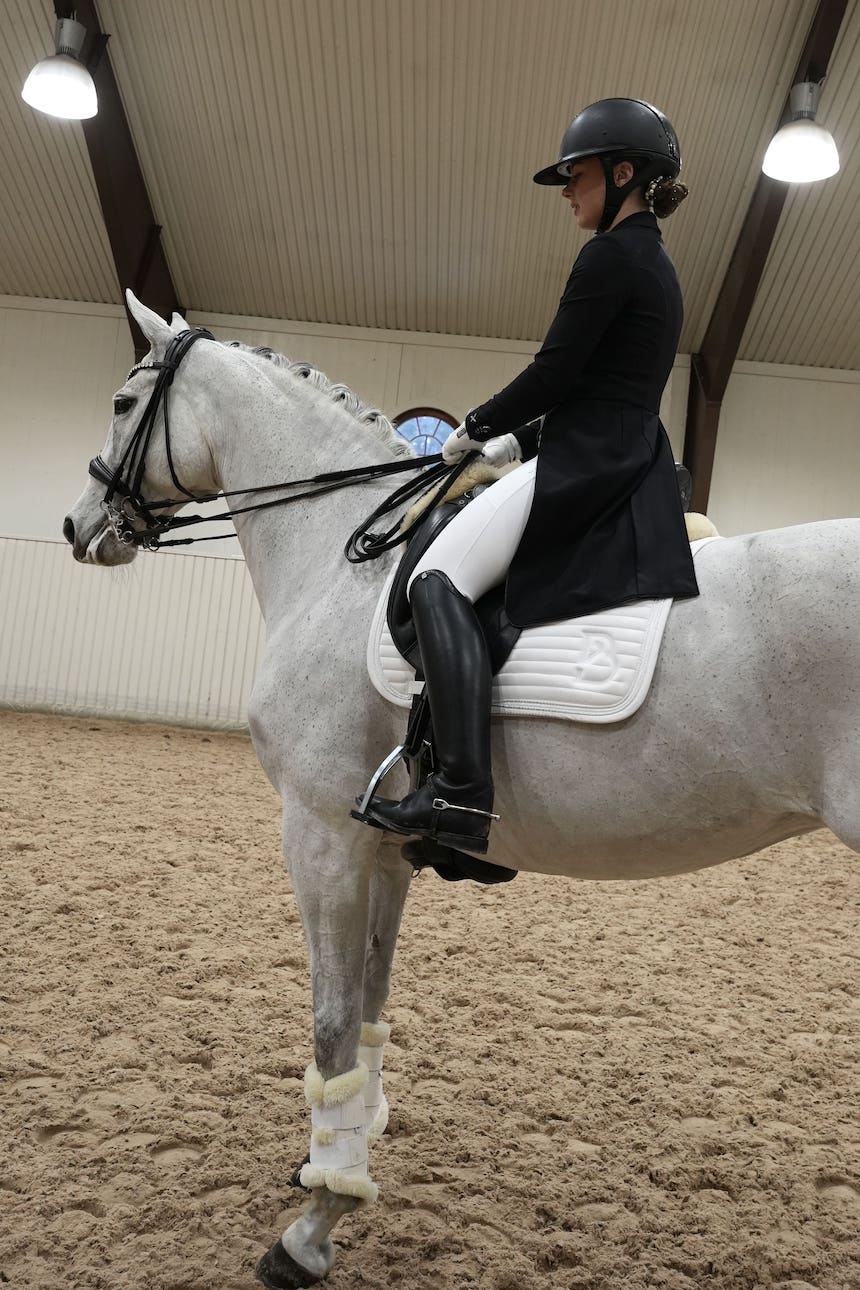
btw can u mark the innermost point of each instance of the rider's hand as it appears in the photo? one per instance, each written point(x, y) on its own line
point(458, 444)
point(502, 450)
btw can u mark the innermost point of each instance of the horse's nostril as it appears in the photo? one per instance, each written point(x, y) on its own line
point(69, 530)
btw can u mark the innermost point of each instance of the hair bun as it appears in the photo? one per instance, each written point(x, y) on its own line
point(665, 194)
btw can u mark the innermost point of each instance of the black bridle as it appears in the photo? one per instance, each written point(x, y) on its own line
point(124, 483)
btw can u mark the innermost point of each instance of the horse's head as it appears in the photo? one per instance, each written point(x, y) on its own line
point(140, 463)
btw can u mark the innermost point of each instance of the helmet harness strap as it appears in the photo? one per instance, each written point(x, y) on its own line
point(644, 174)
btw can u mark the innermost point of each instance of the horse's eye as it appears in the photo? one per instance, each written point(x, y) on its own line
point(122, 405)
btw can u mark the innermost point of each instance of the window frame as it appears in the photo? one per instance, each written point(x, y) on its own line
point(412, 414)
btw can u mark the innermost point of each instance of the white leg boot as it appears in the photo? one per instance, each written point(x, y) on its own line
point(374, 1034)
point(338, 1134)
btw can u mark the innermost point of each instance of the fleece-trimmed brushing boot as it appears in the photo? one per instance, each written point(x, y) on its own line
point(455, 805)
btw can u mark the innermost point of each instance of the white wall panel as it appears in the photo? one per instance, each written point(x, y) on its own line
point(59, 366)
point(452, 378)
point(170, 638)
point(788, 449)
point(370, 367)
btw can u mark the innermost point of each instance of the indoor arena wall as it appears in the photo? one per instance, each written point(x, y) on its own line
point(176, 637)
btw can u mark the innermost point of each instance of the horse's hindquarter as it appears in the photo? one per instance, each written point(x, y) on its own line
point(755, 694)
point(814, 649)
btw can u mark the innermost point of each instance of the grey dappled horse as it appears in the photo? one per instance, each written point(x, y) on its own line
point(749, 733)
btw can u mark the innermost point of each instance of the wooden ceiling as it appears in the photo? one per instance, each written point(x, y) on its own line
point(369, 162)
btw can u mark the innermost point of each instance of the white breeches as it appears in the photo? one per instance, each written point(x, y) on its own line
point(475, 550)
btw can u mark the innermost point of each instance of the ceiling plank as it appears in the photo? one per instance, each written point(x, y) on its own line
point(711, 366)
point(134, 235)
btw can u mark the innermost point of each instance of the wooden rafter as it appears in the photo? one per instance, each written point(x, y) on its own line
point(711, 366)
point(134, 235)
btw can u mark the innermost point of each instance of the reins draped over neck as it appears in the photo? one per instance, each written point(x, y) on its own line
point(126, 480)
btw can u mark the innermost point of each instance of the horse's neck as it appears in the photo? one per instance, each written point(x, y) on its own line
point(294, 552)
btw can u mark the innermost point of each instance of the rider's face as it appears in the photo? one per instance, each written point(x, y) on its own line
point(585, 190)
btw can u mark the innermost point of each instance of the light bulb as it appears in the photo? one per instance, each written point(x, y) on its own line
point(61, 85)
point(802, 151)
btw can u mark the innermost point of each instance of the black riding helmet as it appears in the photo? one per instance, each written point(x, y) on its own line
point(612, 128)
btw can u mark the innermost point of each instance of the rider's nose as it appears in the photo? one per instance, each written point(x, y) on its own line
point(69, 530)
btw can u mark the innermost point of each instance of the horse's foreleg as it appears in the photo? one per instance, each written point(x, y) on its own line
point(388, 890)
point(333, 899)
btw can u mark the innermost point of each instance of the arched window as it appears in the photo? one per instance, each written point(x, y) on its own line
point(425, 428)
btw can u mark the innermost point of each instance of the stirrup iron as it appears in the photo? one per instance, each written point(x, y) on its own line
point(376, 779)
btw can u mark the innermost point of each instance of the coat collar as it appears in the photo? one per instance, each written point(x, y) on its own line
point(639, 219)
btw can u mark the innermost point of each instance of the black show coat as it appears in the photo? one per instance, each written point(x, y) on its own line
point(606, 524)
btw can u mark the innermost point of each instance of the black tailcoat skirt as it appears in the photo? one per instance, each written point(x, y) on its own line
point(606, 525)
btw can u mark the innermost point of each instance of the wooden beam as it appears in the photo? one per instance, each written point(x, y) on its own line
point(134, 234)
point(711, 366)
point(703, 419)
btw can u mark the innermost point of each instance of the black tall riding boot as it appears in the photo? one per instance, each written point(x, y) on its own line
point(455, 804)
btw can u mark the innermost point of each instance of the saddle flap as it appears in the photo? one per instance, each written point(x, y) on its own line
point(499, 632)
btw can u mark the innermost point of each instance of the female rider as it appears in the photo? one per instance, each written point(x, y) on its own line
point(593, 519)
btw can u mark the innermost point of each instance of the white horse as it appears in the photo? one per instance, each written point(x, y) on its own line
point(749, 733)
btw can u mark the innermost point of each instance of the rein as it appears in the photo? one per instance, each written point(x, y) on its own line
point(125, 481)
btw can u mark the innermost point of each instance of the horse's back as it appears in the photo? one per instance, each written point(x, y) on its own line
point(787, 574)
point(831, 547)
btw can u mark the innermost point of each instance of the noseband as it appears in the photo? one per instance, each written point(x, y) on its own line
point(125, 482)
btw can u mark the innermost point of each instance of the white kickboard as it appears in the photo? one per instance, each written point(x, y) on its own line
point(597, 668)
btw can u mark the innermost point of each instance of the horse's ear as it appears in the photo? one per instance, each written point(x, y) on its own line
point(178, 325)
point(153, 326)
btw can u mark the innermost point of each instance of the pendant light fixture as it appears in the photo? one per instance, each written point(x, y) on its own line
point(802, 151)
point(61, 85)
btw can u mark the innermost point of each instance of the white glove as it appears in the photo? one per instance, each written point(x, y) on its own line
point(458, 444)
point(502, 450)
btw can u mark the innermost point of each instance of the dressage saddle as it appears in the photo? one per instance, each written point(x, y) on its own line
point(500, 634)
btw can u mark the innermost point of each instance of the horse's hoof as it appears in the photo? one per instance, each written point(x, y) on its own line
point(279, 1270)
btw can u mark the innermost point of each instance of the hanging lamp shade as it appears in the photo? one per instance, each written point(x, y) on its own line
point(61, 85)
point(803, 150)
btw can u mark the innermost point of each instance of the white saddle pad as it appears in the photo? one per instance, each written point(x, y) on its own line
point(597, 668)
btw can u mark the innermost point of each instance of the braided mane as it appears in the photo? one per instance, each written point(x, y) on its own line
point(340, 394)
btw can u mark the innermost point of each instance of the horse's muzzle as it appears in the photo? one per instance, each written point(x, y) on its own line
point(100, 547)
